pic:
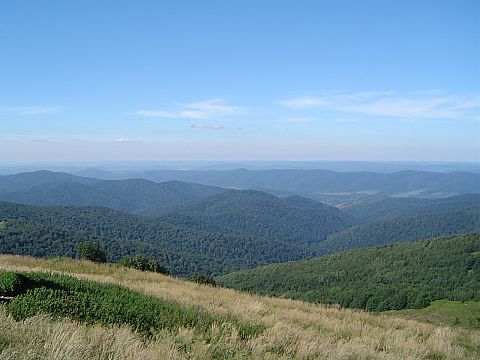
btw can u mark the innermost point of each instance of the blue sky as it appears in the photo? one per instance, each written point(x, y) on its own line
point(238, 80)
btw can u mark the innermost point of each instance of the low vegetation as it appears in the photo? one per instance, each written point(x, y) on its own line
point(291, 329)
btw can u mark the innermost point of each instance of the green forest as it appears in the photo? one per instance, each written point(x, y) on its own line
point(54, 231)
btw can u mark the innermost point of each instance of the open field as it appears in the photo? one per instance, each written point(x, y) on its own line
point(293, 329)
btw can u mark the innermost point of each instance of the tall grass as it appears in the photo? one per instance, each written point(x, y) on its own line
point(293, 329)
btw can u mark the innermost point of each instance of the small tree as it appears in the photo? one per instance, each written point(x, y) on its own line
point(91, 251)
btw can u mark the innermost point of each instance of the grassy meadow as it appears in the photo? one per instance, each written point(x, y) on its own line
point(290, 329)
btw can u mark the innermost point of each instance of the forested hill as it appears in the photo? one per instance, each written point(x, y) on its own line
point(324, 181)
point(389, 277)
point(407, 207)
point(135, 195)
point(292, 219)
point(183, 251)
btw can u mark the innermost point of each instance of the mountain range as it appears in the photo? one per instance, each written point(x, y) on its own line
point(201, 228)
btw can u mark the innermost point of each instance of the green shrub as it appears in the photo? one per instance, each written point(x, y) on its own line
point(11, 284)
point(143, 263)
point(203, 279)
point(91, 251)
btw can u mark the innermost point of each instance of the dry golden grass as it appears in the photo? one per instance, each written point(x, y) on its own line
point(294, 329)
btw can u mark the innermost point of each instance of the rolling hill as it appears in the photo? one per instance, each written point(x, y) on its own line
point(383, 278)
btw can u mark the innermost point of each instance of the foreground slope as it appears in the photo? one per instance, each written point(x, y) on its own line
point(293, 329)
point(391, 277)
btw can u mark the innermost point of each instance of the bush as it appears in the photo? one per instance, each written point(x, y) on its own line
point(143, 263)
point(91, 251)
point(11, 284)
point(203, 279)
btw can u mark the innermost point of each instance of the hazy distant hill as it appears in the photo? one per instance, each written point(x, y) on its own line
point(28, 180)
point(403, 183)
point(318, 184)
point(389, 277)
point(246, 212)
point(182, 250)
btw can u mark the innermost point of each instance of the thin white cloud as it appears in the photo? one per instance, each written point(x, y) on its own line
point(31, 110)
point(211, 126)
point(157, 113)
point(199, 110)
point(345, 120)
point(303, 102)
point(421, 104)
point(297, 120)
point(122, 140)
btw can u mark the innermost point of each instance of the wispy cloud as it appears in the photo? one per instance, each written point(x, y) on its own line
point(30, 110)
point(421, 104)
point(199, 110)
point(122, 140)
point(211, 126)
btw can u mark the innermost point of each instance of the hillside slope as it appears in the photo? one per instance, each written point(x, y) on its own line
point(293, 329)
point(391, 277)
